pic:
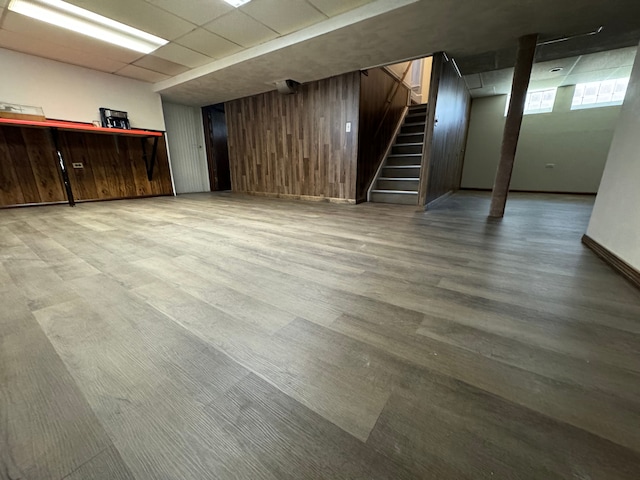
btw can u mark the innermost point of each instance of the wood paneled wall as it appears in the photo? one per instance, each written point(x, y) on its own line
point(113, 167)
point(447, 127)
point(296, 145)
point(28, 168)
point(375, 87)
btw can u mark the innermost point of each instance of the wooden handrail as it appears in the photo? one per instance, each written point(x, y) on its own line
point(390, 97)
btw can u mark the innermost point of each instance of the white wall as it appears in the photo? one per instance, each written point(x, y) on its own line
point(577, 142)
point(615, 221)
point(185, 138)
point(67, 92)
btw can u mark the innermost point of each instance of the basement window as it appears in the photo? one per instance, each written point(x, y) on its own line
point(537, 101)
point(600, 94)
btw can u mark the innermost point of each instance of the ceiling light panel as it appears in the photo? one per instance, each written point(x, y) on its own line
point(237, 3)
point(79, 20)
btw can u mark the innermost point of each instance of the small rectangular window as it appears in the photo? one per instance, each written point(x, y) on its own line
point(537, 101)
point(600, 94)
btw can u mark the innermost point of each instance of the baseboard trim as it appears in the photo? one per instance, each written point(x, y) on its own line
point(615, 262)
point(558, 192)
point(89, 200)
point(306, 198)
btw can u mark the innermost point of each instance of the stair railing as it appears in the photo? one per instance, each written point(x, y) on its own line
point(387, 151)
point(391, 96)
point(388, 102)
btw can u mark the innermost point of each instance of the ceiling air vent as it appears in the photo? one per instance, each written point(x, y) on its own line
point(287, 87)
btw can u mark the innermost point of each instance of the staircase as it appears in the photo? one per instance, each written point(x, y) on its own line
point(399, 176)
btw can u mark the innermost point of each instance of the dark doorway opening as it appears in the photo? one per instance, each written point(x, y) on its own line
point(215, 134)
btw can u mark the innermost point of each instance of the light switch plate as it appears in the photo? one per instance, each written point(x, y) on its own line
point(348, 129)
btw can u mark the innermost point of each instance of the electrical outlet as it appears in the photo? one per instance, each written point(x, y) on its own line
point(348, 129)
point(77, 165)
point(550, 165)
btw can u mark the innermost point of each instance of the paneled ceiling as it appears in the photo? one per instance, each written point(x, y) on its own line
point(217, 52)
point(199, 32)
point(593, 67)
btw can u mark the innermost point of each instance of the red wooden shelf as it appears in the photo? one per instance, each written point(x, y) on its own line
point(77, 126)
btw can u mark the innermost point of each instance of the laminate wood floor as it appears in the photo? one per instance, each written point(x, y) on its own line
point(215, 336)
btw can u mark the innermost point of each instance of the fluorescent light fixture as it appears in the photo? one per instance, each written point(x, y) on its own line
point(237, 3)
point(79, 20)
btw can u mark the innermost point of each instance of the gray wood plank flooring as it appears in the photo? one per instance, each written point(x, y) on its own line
point(217, 336)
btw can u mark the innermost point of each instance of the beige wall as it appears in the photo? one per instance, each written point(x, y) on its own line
point(576, 142)
point(399, 68)
point(615, 222)
point(426, 78)
point(67, 92)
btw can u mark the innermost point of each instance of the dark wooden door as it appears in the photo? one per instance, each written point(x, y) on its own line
point(215, 132)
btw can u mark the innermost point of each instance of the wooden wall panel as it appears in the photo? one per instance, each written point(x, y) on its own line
point(296, 145)
point(445, 143)
point(28, 168)
point(113, 167)
point(375, 87)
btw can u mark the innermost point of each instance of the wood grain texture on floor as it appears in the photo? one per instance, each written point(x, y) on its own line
point(218, 336)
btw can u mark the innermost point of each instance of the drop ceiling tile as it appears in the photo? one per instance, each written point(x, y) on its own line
point(139, 14)
point(198, 12)
point(209, 44)
point(29, 27)
point(483, 92)
point(46, 49)
point(143, 74)
point(542, 71)
point(335, 7)
point(473, 81)
point(283, 16)
point(182, 55)
point(160, 65)
point(605, 60)
point(241, 29)
point(622, 72)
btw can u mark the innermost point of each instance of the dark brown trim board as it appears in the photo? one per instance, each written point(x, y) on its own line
point(615, 262)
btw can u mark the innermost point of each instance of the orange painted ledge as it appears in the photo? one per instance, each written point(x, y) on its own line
point(83, 127)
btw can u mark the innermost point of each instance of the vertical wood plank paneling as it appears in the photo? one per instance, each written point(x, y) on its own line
point(186, 146)
point(374, 91)
point(44, 166)
point(444, 147)
point(10, 190)
point(296, 145)
point(113, 167)
point(28, 168)
point(87, 182)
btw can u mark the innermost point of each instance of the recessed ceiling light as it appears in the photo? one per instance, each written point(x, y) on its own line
point(79, 20)
point(237, 3)
point(556, 69)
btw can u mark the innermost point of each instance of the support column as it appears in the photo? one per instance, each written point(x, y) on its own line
point(521, 76)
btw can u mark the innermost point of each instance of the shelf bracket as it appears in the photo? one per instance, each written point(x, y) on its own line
point(149, 163)
point(63, 166)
